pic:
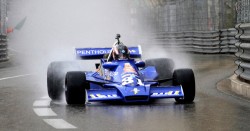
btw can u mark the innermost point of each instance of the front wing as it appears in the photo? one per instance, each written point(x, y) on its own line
point(134, 94)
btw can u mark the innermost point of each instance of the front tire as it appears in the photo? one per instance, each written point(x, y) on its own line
point(185, 78)
point(76, 86)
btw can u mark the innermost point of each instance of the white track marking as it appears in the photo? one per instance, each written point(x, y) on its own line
point(44, 112)
point(14, 50)
point(45, 97)
point(42, 103)
point(59, 124)
point(11, 77)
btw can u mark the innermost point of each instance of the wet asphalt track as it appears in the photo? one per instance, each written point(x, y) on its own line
point(211, 110)
point(53, 27)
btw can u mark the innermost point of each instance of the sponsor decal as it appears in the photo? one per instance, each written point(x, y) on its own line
point(103, 96)
point(109, 74)
point(113, 73)
point(169, 93)
point(135, 90)
point(92, 52)
point(100, 51)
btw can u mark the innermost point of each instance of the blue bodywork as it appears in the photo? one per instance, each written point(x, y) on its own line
point(125, 80)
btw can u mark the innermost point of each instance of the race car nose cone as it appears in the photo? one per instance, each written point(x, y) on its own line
point(136, 90)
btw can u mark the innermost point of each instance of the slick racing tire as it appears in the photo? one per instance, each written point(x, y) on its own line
point(76, 86)
point(185, 78)
point(164, 67)
point(56, 76)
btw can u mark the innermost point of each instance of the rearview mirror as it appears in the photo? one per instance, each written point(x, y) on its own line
point(140, 64)
point(109, 65)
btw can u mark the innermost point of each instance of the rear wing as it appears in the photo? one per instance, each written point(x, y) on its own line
point(98, 53)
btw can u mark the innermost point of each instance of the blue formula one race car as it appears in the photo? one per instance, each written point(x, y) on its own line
point(119, 77)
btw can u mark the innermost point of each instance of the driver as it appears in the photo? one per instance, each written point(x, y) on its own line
point(120, 52)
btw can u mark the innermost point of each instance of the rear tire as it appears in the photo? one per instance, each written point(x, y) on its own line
point(163, 66)
point(185, 78)
point(55, 80)
point(76, 86)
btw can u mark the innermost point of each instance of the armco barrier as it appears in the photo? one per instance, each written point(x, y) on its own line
point(211, 42)
point(3, 31)
point(243, 53)
point(228, 40)
point(3, 51)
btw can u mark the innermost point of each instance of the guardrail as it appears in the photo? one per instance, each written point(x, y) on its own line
point(227, 38)
point(211, 42)
point(3, 31)
point(243, 53)
point(3, 52)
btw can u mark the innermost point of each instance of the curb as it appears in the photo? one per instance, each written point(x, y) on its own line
point(235, 86)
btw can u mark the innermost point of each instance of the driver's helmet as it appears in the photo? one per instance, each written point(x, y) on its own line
point(120, 52)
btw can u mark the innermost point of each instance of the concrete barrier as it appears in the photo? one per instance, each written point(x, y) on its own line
point(210, 42)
